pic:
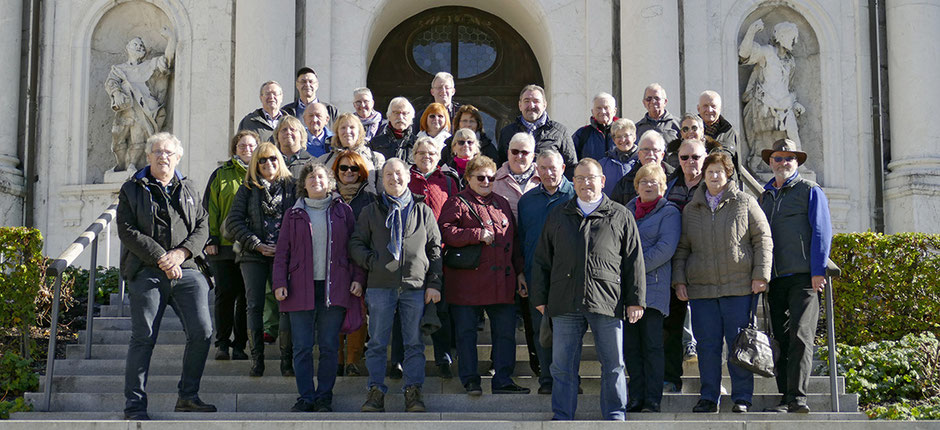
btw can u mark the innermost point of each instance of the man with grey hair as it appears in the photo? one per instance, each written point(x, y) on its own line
point(398, 137)
point(657, 117)
point(533, 208)
point(716, 126)
point(266, 118)
point(652, 149)
point(595, 140)
point(534, 120)
point(364, 104)
point(163, 230)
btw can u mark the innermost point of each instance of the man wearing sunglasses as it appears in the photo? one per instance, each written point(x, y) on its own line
point(652, 149)
point(798, 213)
point(657, 117)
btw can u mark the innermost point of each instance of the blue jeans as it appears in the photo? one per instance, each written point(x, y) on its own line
point(567, 334)
point(382, 303)
point(503, 329)
point(644, 358)
point(321, 326)
point(150, 292)
point(713, 319)
point(544, 354)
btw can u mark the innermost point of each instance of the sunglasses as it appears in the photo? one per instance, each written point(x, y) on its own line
point(651, 99)
point(695, 157)
point(782, 159)
point(272, 159)
point(484, 178)
point(686, 129)
point(343, 168)
point(466, 142)
point(519, 152)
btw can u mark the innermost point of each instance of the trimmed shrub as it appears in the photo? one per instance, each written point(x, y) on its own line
point(890, 286)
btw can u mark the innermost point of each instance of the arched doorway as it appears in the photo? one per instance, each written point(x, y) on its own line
point(490, 62)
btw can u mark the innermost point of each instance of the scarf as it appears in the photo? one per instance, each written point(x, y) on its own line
point(348, 191)
point(644, 208)
point(273, 195)
point(523, 177)
point(713, 200)
point(397, 207)
point(460, 164)
point(371, 123)
point(398, 133)
point(712, 130)
point(530, 127)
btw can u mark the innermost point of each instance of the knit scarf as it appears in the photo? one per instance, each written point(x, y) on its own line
point(712, 130)
point(349, 191)
point(532, 126)
point(644, 208)
point(523, 177)
point(713, 200)
point(460, 164)
point(396, 220)
point(371, 124)
point(273, 195)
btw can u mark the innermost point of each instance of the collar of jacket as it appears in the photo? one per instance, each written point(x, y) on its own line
point(143, 175)
point(564, 187)
point(659, 205)
point(603, 210)
point(600, 128)
point(623, 157)
point(791, 181)
point(415, 198)
point(731, 192)
point(665, 117)
point(477, 198)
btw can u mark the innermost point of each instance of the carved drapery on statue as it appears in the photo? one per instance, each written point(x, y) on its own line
point(138, 93)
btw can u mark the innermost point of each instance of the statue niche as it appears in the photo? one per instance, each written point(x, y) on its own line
point(137, 90)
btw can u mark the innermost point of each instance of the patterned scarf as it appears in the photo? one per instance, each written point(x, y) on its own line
point(348, 191)
point(371, 124)
point(397, 211)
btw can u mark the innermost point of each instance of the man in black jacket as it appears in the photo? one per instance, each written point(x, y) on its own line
point(163, 228)
point(397, 138)
point(589, 271)
point(534, 120)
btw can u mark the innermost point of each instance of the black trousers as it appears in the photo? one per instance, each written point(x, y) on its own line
point(230, 308)
point(643, 357)
point(672, 340)
point(794, 313)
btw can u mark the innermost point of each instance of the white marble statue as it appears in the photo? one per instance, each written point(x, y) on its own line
point(770, 107)
point(138, 90)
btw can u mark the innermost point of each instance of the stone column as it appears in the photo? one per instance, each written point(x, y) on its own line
point(12, 188)
point(649, 45)
point(912, 189)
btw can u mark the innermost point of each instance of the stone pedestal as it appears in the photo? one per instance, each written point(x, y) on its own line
point(912, 189)
point(12, 184)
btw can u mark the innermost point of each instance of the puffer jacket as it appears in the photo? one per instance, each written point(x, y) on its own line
point(436, 188)
point(420, 264)
point(721, 252)
point(494, 280)
point(507, 187)
point(659, 235)
point(589, 264)
point(220, 193)
point(245, 221)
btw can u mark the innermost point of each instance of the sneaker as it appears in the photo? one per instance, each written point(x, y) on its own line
point(780, 408)
point(222, 354)
point(352, 369)
point(239, 354)
point(444, 371)
point(473, 388)
point(395, 372)
point(302, 406)
point(740, 406)
point(193, 405)
point(706, 406)
point(375, 402)
point(690, 352)
point(413, 401)
point(511, 388)
point(798, 407)
point(545, 388)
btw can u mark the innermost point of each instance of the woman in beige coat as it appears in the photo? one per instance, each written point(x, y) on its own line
point(723, 258)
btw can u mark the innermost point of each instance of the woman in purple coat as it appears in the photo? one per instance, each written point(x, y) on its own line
point(316, 282)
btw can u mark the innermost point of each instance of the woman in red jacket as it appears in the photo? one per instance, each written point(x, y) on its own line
point(475, 216)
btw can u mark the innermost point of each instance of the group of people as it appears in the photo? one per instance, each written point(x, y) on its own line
point(369, 234)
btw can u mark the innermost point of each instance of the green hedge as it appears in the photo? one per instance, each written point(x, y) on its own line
point(890, 286)
point(21, 286)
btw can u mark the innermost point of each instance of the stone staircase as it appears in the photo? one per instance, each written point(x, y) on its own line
point(89, 391)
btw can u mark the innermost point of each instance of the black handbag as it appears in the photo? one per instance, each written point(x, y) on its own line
point(754, 350)
point(464, 257)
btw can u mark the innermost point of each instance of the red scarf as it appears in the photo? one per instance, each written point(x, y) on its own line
point(642, 209)
point(461, 165)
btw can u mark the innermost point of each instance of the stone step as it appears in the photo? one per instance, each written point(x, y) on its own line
point(277, 420)
point(394, 402)
point(271, 383)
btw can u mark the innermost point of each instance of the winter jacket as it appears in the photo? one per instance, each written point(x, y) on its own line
point(667, 125)
point(507, 187)
point(624, 191)
point(725, 134)
point(550, 135)
point(245, 222)
point(534, 207)
point(436, 188)
point(293, 266)
point(217, 200)
point(420, 264)
point(589, 264)
point(799, 219)
point(365, 196)
point(659, 235)
point(615, 165)
point(138, 229)
point(389, 146)
point(256, 122)
point(593, 140)
point(720, 253)
point(494, 280)
point(374, 162)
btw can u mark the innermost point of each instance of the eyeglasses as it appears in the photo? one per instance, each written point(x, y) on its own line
point(272, 159)
point(590, 178)
point(520, 152)
point(343, 168)
point(426, 153)
point(361, 102)
point(246, 145)
point(650, 150)
point(444, 87)
point(484, 178)
point(650, 183)
point(652, 99)
point(782, 159)
point(466, 142)
point(686, 129)
point(694, 157)
point(166, 154)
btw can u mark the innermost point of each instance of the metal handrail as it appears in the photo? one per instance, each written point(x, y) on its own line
point(58, 266)
point(832, 271)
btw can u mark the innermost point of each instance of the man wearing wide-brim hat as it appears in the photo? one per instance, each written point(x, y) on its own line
point(798, 213)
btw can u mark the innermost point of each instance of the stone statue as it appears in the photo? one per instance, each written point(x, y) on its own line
point(770, 107)
point(138, 91)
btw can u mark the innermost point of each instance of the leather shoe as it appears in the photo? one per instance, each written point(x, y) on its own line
point(706, 406)
point(303, 406)
point(511, 388)
point(780, 408)
point(740, 406)
point(473, 388)
point(444, 371)
point(395, 372)
point(545, 388)
point(798, 407)
point(634, 405)
point(136, 416)
point(650, 407)
point(193, 405)
point(222, 354)
point(239, 354)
